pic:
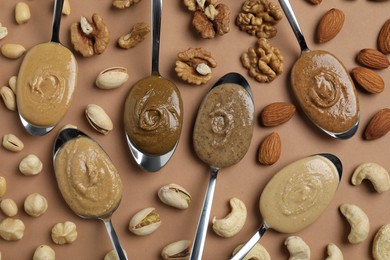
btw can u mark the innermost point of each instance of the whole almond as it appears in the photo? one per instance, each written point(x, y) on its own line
point(277, 113)
point(270, 149)
point(379, 125)
point(315, 2)
point(368, 79)
point(384, 38)
point(373, 59)
point(330, 25)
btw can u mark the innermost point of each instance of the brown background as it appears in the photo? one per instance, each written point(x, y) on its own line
point(244, 180)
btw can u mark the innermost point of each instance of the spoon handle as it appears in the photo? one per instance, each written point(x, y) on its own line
point(287, 9)
point(244, 250)
point(55, 33)
point(201, 231)
point(156, 28)
point(114, 239)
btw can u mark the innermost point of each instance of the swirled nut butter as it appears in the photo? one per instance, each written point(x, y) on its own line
point(325, 91)
point(298, 194)
point(224, 125)
point(153, 115)
point(46, 83)
point(87, 179)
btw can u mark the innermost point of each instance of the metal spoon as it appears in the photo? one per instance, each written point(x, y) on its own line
point(63, 137)
point(200, 236)
point(34, 129)
point(285, 4)
point(147, 160)
point(264, 226)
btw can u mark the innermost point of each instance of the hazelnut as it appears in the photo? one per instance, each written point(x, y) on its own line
point(30, 165)
point(9, 207)
point(35, 205)
point(44, 252)
point(3, 186)
point(12, 229)
point(64, 233)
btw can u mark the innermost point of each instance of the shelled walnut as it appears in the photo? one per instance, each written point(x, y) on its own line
point(194, 65)
point(90, 37)
point(259, 17)
point(264, 62)
point(210, 18)
point(121, 4)
point(135, 36)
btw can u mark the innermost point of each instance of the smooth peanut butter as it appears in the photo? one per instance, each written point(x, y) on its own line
point(298, 194)
point(325, 91)
point(46, 83)
point(224, 125)
point(153, 115)
point(87, 179)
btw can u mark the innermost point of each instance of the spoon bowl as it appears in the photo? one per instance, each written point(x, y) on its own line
point(232, 121)
point(153, 111)
point(46, 82)
point(72, 134)
point(288, 186)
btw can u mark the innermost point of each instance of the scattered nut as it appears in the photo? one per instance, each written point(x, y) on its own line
point(145, 222)
point(373, 59)
point(315, 2)
point(359, 222)
point(90, 37)
point(297, 248)
point(330, 25)
point(8, 97)
point(381, 244)
point(177, 250)
point(231, 224)
point(112, 255)
point(379, 125)
point(12, 50)
point(368, 79)
point(277, 113)
point(259, 17)
point(12, 143)
point(9, 207)
point(264, 62)
point(30, 165)
point(3, 186)
point(12, 229)
point(135, 36)
point(334, 253)
point(64, 233)
point(111, 78)
point(270, 149)
point(22, 13)
point(174, 195)
point(3, 31)
point(66, 8)
point(258, 252)
point(35, 205)
point(12, 83)
point(192, 63)
point(121, 4)
point(384, 38)
point(44, 252)
point(373, 172)
point(98, 119)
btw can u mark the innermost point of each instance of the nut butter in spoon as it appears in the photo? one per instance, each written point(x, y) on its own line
point(296, 196)
point(46, 82)
point(323, 87)
point(222, 135)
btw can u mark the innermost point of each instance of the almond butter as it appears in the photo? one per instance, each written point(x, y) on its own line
point(270, 149)
point(277, 113)
point(379, 125)
point(372, 59)
point(368, 79)
point(384, 38)
point(330, 25)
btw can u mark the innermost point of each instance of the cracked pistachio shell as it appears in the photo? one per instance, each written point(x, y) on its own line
point(179, 250)
point(111, 78)
point(144, 222)
point(174, 195)
point(98, 119)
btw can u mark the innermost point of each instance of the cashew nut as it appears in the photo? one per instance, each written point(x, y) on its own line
point(334, 253)
point(258, 252)
point(358, 220)
point(381, 244)
point(297, 248)
point(375, 173)
point(233, 222)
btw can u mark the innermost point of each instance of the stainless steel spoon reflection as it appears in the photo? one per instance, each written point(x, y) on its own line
point(265, 226)
point(200, 236)
point(68, 85)
point(286, 6)
point(63, 137)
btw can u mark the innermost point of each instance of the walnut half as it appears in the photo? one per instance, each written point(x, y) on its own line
point(122, 4)
point(135, 36)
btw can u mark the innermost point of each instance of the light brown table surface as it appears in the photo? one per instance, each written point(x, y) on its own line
point(244, 180)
